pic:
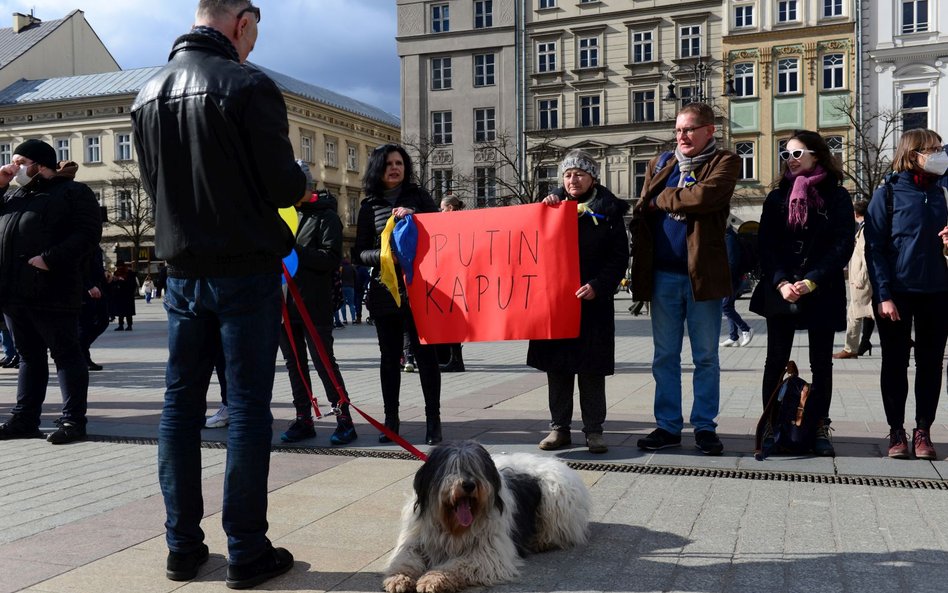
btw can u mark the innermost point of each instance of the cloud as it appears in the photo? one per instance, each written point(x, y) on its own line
point(347, 46)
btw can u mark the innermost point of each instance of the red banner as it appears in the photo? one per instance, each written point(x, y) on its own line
point(497, 274)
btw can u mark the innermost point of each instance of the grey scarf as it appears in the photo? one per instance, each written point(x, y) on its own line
point(689, 165)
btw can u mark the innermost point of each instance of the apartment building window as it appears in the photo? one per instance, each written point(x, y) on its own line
point(549, 114)
point(123, 147)
point(788, 76)
point(483, 14)
point(588, 52)
point(332, 159)
point(485, 184)
point(787, 11)
point(690, 41)
point(643, 105)
point(98, 196)
point(440, 73)
point(914, 110)
point(441, 127)
point(93, 149)
point(442, 182)
point(483, 69)
point(352, 157)
point(306, 148)
point(440, 18)
point(546, 57)
point(914, 16)
point(745, 150)
point(589, 110)
point(688, 94)
point(484, 127)
point(832, 8)
point(62, 149)
point(6, 153)
point(835, 145)
point(743, 16)
point(744, 79)
point(833, 72)
point(352, 210)
point(123, 203)
point(639, 169)
point(547, 180)
point(547, 4)
point(641, 46)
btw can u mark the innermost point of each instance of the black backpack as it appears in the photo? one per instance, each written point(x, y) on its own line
point(749, 262)
point(789, 423)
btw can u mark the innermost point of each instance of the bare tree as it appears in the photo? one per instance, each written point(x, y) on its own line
point(518, 177)
point(429, 161)
point(868, 156)
point(132, 211)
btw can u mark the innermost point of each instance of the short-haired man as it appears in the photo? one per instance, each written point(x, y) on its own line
point(680, 265)
point(211, 134)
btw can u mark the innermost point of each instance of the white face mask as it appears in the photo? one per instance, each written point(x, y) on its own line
point(21, 176)
point(936, 163)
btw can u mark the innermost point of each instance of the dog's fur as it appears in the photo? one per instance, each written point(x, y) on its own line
point(472, 517)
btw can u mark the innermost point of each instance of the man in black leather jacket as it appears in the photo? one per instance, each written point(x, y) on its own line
point(48, 226)
point(211, 134)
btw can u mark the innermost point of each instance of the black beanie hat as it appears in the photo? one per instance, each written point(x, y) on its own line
point(38, 152)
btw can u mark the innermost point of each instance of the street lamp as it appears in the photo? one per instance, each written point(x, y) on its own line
point(698, 76)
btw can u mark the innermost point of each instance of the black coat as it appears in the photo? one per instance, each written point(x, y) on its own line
point(122, 292)
point(319, 249)
point(373, 214)
point(817, 252)
point(603, 259)
point(57, 218)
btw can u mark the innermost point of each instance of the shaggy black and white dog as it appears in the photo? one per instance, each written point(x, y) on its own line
point(473, 517)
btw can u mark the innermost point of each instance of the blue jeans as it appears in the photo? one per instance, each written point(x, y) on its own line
point(241, 316)
point(673, 306)
point(734, 320)
point(348, 295)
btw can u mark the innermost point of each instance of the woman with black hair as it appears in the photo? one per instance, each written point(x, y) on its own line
point(806, 239)
point(391, 191)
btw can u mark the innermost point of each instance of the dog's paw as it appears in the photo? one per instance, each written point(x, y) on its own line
point(399, 583)
point(437, 582)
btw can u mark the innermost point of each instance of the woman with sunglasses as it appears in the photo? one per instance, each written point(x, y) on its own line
point(806, 239)
point(390, 190)
point(910, 284)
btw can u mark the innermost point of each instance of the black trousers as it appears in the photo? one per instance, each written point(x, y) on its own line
point(93, 319)
point(927, 313)
point(780, 333)
point(592, 400)
point(390, 330)
point(302, 340)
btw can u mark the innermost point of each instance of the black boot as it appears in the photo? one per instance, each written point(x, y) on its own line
point(456, 364)
point(433, 430)
point(391, 423)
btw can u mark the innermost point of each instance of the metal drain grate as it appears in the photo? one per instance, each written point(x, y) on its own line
point(627, 468)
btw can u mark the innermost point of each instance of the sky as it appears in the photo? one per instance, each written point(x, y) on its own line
point(347, 46)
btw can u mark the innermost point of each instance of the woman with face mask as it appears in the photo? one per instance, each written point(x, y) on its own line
point(806, 239)
point(910, 285)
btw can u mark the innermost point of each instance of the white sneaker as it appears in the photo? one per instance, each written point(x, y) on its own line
point(746, 337)
point(728, 343)
point(220, 419)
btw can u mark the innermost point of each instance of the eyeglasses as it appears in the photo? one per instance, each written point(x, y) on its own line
point(794, 154)
point(254, 10)
point(689, 131)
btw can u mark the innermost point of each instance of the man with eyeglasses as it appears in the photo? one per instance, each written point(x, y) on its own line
point(211, 133)
point(680, 265)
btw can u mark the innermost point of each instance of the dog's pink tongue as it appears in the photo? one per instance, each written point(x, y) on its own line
point(463, 513)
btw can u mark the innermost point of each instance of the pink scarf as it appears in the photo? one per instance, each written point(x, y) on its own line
point(803, 195)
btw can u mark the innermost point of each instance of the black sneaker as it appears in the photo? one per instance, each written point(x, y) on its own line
point(93, 366)
point(301, 428)
point(344, 434)
point(659, 439)
point(15, 429)
point(707, 442)
point(273, 562)
point(183, 566)
point(68, 432)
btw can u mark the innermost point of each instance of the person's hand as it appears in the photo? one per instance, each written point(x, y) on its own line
point(37, 261)
point(95, 293)
point(801, 288)
point(789, 292)
point(552, 200)
point(586, 292)
point(7, 173)
point(888, 310)
point(944, 236)
point(402, 212)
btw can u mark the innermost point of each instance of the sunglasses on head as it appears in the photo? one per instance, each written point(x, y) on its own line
point(794, 154)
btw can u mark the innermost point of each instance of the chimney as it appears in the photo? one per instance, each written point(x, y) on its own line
point(21, 22)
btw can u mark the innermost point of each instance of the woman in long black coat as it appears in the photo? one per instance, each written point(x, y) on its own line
point(603, 259)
